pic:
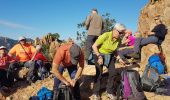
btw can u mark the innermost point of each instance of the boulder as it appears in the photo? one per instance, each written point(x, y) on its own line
point(146, 22)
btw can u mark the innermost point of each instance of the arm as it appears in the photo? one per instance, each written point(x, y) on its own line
point(56, 72)
point(12, 51)
point(87, 22)
point(80, 68)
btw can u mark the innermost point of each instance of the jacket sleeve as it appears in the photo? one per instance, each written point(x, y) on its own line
point(87, 22)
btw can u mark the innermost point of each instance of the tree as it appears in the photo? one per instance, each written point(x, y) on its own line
point(82, 34)
point(55, 36)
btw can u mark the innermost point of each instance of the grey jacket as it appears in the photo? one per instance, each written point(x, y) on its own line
point(94, 24)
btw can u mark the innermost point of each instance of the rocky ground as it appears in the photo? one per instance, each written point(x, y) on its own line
point(22, 91)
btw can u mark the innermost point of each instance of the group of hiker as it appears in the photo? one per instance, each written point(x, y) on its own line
point(21, 55)
point(105, 47)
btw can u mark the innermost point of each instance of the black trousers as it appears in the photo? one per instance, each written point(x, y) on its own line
point(98, 77)
point(90, 41)
point(7, 75)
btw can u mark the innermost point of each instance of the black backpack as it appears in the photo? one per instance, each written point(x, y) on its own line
point(130, 87)
point(151, 80)
point(63, 93)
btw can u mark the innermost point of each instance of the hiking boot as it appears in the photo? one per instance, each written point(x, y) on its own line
point(111, 96)
point(95, 97)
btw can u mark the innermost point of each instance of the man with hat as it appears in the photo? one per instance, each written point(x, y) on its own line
point(6, 68)
point(22, 51)
point(68, 56)
point(94, 24)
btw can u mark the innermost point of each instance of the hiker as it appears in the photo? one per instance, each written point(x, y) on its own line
point(7, 65)
point(105, 50)
point(23, 53)
point(128, 40)
point(94, 25)
point(67, 57)
point(155, 36)
point(40, 68)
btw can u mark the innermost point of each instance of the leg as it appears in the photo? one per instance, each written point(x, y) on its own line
point(31, 76)
point(124, 52)
point(57, 81)
point(3, 77)
point(139, 42)
point(150, 39)
point(112, 73)
point(90, 41)
point(11, 71)
point(76, 90)
point(98, 77)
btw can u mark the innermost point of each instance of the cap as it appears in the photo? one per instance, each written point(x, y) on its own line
point(157, 17)
point(22, 38)
point(75, 53)
point(120, 27)
point(2, 47)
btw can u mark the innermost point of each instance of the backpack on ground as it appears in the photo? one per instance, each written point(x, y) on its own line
point(44, 94)
point(63, 93)
point(151, 79)
point(155, 62)
point(131, 87)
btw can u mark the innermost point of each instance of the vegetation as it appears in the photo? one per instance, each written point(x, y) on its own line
point(82, 33)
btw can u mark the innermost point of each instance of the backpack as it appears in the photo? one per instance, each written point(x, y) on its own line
point(43, 73)
point(131, 87)
point(44, 94)
point(63, 93)
point(155, 62)
point(151, 79)
point(42, 70)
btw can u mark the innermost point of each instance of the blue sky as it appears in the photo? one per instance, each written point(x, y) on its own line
point(35, 18)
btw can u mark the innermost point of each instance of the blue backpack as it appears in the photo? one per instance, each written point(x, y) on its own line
point(156, 63)
point(45, 94)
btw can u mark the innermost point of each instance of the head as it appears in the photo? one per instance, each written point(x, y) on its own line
point(137, 34)
point(157, 19)
point(128, 32)
point(118, 30)
point(94, 10)
point(22, 40)
point(39, 48)
point(3, 50)
point(75, 53)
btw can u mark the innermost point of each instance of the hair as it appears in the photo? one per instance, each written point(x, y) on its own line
point(119, 27)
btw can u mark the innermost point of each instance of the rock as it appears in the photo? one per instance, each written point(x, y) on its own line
point(23, 72)
point(162, 8)
point(146, 52)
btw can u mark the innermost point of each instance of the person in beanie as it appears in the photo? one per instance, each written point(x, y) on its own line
point(105, 49)
point(94, 25)
point(68, 56)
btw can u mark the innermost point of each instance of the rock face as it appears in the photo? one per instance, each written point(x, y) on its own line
point(146, 22)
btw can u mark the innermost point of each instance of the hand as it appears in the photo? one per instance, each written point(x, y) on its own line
point(151, 33)
point(100, 60)
point(30, 61)
point(67, 83)
point(72, 82)
point(121, 61)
